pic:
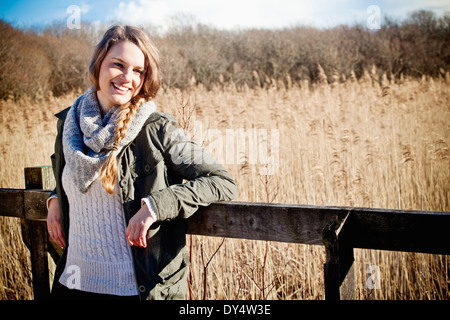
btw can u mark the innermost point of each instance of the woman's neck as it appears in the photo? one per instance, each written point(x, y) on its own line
point(103, 104)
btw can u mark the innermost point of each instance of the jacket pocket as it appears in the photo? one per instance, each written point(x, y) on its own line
point(173, 265)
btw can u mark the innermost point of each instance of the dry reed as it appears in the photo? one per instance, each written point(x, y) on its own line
point(352, 143)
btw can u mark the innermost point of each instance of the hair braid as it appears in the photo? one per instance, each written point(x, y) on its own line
point(108, 174)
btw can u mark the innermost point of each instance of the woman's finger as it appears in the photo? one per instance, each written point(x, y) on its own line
point(136, 237)
point(142, 237)
point(128, 234)
point(132, 235)
point(56, 235)
point(60, 237)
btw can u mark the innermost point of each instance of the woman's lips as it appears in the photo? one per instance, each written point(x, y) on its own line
point(120, 89)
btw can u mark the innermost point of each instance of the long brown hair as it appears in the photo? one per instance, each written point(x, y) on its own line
point(150, 87)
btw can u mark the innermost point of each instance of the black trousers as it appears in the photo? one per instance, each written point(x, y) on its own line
point(60, 292)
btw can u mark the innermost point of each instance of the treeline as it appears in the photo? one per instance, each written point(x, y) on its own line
point(54, 59)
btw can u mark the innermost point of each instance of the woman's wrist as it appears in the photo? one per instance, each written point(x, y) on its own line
point(49, 200)
point(147, 202)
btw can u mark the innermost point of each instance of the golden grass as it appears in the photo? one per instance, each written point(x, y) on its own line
point(349, 144)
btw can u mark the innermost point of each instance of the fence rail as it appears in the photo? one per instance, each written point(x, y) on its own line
point(339, 229)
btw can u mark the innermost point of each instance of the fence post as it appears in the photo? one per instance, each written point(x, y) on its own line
point(35, 233)
point(338, 269)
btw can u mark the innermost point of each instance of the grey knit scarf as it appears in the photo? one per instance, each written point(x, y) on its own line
point(88, 137)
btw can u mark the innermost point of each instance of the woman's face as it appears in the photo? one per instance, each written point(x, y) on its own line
point(121, 75)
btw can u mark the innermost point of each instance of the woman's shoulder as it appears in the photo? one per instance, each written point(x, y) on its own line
point(161, 119)
point(61, 116)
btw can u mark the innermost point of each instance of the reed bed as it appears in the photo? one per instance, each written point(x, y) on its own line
point(352, 143)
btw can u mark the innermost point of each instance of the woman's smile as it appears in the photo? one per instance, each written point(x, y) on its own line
point(120, 89)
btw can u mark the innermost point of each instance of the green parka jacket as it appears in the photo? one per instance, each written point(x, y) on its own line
point(155, 165)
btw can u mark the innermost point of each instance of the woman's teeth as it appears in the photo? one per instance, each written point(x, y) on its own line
point(117, 86)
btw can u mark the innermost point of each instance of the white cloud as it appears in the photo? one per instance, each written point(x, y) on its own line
point(267, 13)
point(261, 13)
point(230, 13)
point(143, 12)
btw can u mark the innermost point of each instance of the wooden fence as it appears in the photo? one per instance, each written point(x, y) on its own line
point(339, 229)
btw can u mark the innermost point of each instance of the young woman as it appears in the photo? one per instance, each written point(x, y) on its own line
point(119, 208)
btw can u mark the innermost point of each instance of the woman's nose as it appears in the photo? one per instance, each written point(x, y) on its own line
point(126, 75)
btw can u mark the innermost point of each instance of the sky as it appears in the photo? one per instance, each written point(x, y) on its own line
point(224, 14)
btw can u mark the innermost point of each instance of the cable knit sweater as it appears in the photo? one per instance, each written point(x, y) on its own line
point(99, 257)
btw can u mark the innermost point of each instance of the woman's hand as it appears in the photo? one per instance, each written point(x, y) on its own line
point(138, 226)
point(54, 223)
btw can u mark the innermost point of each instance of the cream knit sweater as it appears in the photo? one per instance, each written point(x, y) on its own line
point(99, 258)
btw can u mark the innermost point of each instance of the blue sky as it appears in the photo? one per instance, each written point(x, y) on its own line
point(223, 14)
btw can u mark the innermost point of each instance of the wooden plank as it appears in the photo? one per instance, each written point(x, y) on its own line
point(11, 203)
point(262, 221)
point(41, 178)
point(338, 269)
point(414, 231)
point(331, 265)
point(35, 204)
point(346, 258)
point(39, 259)
point(29, 204)
point(419, 231)
point(385, 229)
point(35, 208)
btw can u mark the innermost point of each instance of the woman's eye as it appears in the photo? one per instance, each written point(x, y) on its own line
point(139, 71)
point(117, 64)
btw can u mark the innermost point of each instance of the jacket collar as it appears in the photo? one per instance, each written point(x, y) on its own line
point(62, 114)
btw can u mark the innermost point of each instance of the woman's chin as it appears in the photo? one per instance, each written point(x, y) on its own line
point(120, 100)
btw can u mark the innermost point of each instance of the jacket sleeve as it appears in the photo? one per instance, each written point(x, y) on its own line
point(207, 180)
point(53, 194)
